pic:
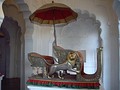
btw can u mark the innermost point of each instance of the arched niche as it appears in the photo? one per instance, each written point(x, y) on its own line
point(4, 52)
point(83, 35)
point(13, 57)
point(20, 14)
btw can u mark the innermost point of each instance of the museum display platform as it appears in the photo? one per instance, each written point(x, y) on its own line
point(30, 87)
point(60, 85)
point(35, 87)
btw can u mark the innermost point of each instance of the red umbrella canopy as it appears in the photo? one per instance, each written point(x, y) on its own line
point(53, 13)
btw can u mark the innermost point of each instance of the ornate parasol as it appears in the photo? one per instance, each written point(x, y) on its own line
point(53, 13)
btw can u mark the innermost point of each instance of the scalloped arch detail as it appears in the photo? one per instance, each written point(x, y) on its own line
point(85, 26)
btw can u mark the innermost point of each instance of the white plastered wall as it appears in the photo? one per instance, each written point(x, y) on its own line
point(103, 11)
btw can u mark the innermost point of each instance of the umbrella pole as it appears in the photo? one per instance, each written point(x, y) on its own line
point(54, 27)
point(55, 34)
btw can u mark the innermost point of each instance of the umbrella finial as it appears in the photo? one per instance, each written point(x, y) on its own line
point(52, 1)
